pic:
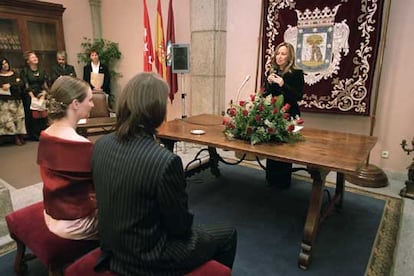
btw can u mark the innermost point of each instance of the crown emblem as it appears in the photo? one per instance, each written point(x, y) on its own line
point(317, 17)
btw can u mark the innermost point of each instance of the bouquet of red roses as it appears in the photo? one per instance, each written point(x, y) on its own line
point(261, 120)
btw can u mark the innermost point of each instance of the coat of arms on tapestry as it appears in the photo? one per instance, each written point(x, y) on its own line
point(337, 45)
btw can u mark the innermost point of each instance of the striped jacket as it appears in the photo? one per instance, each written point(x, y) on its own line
point(144, 221)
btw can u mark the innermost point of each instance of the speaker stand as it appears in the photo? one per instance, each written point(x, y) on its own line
point(183, 115)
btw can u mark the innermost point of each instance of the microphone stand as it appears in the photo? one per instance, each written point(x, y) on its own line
point(241, 86)
point(183, 94)
point(238, 154)
point(183, 115)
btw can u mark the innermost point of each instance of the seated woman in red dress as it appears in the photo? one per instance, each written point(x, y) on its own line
point(64, 160)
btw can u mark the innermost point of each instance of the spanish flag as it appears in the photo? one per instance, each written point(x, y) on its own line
point(171, 77)
point(148, 49)
point(160, 45)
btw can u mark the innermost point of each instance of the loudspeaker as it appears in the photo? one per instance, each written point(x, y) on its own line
point(180, 58)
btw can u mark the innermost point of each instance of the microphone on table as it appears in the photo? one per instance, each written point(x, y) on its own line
point(246, 79)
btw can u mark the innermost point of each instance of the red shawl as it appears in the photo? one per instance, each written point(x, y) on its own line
point(68, 191)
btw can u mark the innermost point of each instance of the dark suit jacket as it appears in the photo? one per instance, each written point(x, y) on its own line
point(57, 71)
point(292, 90)
point(106, 86)
point(144, 221)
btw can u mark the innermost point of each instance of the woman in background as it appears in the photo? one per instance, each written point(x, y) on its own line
point(35, 84)
point(11, 105)
point(283, 79)
point(96, 68)
point(64, 160)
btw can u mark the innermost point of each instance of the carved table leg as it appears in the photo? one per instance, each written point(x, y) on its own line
point(336, 202)
point(312, 219)
point(214, 160)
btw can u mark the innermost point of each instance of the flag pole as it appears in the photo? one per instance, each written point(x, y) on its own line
point(259, 47)
point(171, 76)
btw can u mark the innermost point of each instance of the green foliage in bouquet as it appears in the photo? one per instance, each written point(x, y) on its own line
point(261, 120)
point(108, 52)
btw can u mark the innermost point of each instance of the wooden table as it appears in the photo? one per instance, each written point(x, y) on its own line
point(321, 152)
point(99, 125)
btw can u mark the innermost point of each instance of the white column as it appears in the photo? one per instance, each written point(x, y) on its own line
point(95, 6)
point(208, 56)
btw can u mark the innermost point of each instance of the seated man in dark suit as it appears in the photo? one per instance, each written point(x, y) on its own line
point(145, 226)
point(62, 68)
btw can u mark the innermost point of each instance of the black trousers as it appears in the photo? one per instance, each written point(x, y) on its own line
point(225, 238)
point(33, 126)
point(27, 113)
point(212, 242)
point(37, 125)
point(278, 173)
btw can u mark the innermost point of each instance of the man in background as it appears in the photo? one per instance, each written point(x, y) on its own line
point(61, 68)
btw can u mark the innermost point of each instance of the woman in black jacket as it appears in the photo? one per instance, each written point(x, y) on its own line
point(285, 79)
point(98, 76)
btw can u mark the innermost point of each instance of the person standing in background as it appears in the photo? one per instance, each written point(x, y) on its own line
point(35, 83)
point(62, 68)
point(97, 75)
point(284, 79)
point(11, 105)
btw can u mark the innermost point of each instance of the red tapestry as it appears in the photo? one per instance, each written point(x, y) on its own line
point(336, 44)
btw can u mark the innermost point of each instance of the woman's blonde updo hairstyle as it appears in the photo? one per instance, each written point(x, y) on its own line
point(64, 90)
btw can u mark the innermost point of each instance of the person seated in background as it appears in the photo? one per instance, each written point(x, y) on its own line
point(98, 76)
point(64, 160)
point(285, 79)
point(11, 105)
point(61, 68)
point(35, 83)
point(145, 226)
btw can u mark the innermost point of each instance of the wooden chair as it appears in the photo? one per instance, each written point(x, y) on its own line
point(100, 108)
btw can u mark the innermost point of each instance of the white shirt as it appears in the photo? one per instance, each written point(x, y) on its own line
point(77, 229)
point(95, 68)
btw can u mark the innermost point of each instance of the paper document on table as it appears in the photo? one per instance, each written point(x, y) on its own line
point(97, 80)
point(82, 121)
point(297, 128)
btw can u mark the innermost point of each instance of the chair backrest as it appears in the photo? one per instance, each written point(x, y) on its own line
point(100, 108)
